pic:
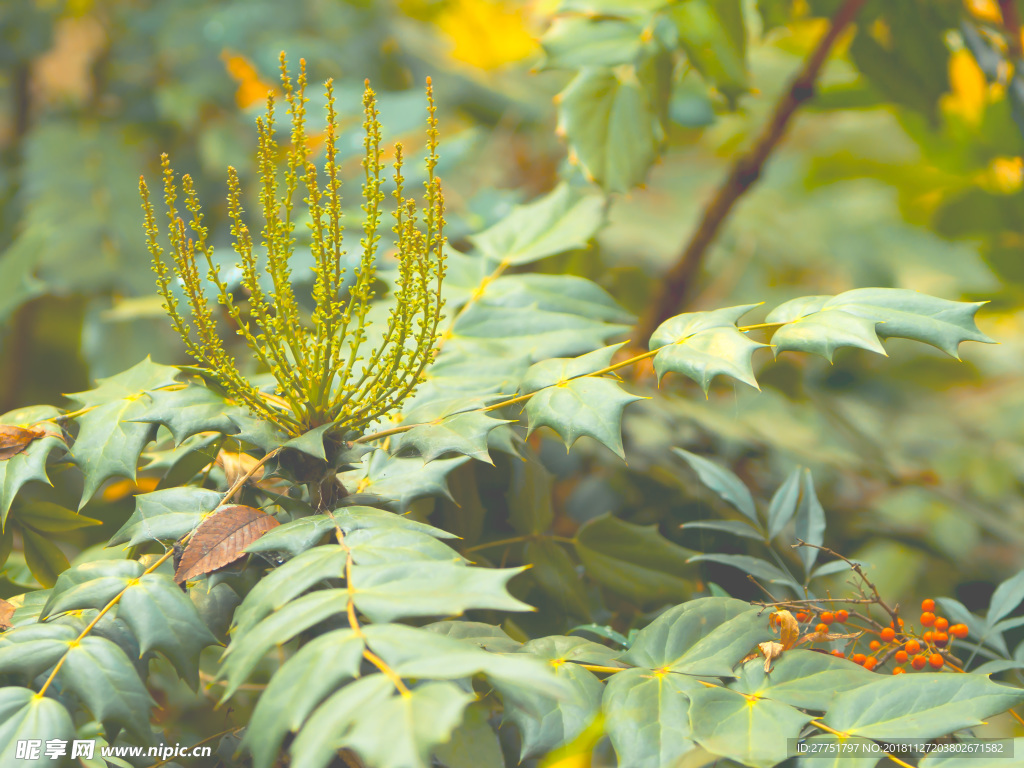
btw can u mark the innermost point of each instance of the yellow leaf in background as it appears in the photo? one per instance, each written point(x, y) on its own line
point(968, 88)
point(252, 89)
point(984, 10)
point(577, 753)
point(486, 34)
point(122, 489)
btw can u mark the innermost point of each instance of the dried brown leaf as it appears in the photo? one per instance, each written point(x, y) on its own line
point(14, 440)
point(6, 612)
point(221, 539)
point(771, 651)
point(824, 637)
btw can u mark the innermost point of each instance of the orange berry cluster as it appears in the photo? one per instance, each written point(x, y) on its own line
point(918, 652)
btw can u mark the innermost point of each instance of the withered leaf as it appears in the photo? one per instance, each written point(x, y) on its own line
point(237, 464)
point(14, 440)
point(221, 539)
point(6, 612)
point(771, 651)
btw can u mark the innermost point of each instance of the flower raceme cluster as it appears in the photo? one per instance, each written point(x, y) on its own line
point(324, 372)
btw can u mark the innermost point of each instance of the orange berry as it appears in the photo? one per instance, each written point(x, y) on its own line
point(801, 617)
point(913, 647)
point(941, 624)
point(901, 657)
point(928, 605)
point(858, 658)
point(927, 619)
point(838, 654)
point(898, 622)
point(941, 639)
point(927, 636)
point(821, 628)
point(888, 635)
point(899, 671)
point(870, 662)
point(874, 645)
point(827, 617)
point(842, 616)
point(959, 630)
point(919, 661)
point(936, 661)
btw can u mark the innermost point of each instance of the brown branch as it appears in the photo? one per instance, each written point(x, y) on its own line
point(1011, 23)
point(677, 283)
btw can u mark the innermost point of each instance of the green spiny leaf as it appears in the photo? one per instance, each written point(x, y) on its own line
point(707, 636)
point(162, 618)
point(188, 411)
point(166, 514)
point(562, 220)
point(647, 716)
point(750, 731)
point(582, 407)
point(804, 679)
point(90, 585)
point(30, 464)
point(24, 716)
point(923, 705)
point(100, 673)
point(302, 682)
point(462, 433)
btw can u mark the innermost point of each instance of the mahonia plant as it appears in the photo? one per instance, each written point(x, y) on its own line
point(324, 375)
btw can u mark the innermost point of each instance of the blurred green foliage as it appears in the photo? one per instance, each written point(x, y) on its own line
point(903, 171)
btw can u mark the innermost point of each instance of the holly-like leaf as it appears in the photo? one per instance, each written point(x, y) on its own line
point(103, 677)
point(707, 636)
point(545, 722)
point(302, 682)
point(426, 588)
point(633, 560)
point(951, 758)
point(32, 649)
point(560, 221)
point(559, 370)
point(899, 313)
point(166, 514)
point(924, 705)
point(463, 433)
point(188, 411)
point(246, 651)
point(749, 730)
point(822, 333)
point(90, 585)
point(647, 716)
point(723, 482)
point(385, 729)
point(611, 124)
point(589, 407)
point(25, 716)
point(417, 653)
point(110, 439)
point(804, 679)
point(401, 481)
point(702, 345)
point(163, 619)
point(299, 535)
point(221, 539)
point(28, 463)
